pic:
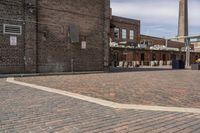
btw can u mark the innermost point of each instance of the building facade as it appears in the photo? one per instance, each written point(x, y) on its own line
point(196, 46)
point(130, 57)
point(151, 41)
point(52, 36)
point(142, 49)
point(125, 31)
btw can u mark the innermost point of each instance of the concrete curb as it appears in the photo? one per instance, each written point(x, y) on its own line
point(48, 74)
point(104, 102)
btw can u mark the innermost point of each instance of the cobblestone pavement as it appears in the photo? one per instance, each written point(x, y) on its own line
point(26, 110)
point(180, 88)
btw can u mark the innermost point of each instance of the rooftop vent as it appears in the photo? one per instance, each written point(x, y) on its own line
point(74, 33)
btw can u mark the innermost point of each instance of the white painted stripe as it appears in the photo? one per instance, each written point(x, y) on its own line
point(104, 102)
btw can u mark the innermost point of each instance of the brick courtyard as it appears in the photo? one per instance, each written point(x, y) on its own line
point(28, 110)
point(164, 88)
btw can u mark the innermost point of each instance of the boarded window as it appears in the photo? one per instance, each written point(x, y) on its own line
point(12, 29)
point(74, 33)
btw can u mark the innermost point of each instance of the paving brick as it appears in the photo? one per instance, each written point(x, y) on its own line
point(27, 110)
point(164, 88)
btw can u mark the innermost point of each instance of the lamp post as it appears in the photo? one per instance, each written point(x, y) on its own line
point(187, 60)
point(166, 42)
point(187, 45)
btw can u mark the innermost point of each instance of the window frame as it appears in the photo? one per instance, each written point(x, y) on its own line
point(131, 34)
point(124, 34)
point(118, 32)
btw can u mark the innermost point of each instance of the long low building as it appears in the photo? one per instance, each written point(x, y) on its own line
point(132, 57)
point(128, 47)
point(151, 41)
point(52, 36)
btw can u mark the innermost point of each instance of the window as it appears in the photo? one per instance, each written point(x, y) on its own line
point(142, 57)
point(131, 35)
point(1, 28)
point(173, 57)
point(12, 29)
point(150, 43)
point(164, 57)
point(153, 56)
point(124, 33)
point(116, 33)
point(74, 33)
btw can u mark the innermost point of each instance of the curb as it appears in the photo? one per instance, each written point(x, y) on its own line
point(49, 74)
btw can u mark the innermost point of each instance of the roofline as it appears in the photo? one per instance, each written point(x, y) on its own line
point(162, 38)
point(152, 36)
point(126, 18)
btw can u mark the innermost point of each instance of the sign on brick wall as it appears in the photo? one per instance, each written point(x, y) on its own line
point(13, 40)
point(83, 45)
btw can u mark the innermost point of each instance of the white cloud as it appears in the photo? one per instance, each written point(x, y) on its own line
point(146, 12)
point(157, 15)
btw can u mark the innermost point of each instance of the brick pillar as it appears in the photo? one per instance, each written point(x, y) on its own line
point(106, 33)
point(30, 35)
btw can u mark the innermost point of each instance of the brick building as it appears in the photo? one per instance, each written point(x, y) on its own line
point(125, 31)
point(134, 49)
point(133, 57)
point(196, 46)
point(52, 36)
point(151, 40)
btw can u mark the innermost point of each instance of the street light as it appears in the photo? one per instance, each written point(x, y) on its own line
point(187, 44)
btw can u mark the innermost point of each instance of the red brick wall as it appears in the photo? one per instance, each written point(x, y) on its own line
point(135, 55)
point(56, 52)
point(128, 24)
point(44, 45)
point(11, 57)
point(161, 41)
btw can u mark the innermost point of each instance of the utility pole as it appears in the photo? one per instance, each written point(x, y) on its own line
point(187, 46)
point(187, 62)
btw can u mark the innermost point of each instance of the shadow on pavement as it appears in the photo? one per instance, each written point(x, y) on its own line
point(118, 69)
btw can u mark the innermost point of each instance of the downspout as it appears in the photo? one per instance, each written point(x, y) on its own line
point(106, 29)
point(24, 30)
point(37, 40)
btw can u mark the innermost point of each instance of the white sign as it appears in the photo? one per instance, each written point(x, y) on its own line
point(13, 40)
point(83, 45)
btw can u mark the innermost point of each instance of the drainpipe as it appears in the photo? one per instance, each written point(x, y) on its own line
point(24, 30)
point(72, 65)
point(37, 52)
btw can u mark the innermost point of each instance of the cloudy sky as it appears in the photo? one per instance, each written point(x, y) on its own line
point(158, 17)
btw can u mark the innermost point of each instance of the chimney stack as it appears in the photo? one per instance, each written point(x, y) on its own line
point(183, 19)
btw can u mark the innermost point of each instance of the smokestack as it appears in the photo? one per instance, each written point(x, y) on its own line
point(183, 19)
